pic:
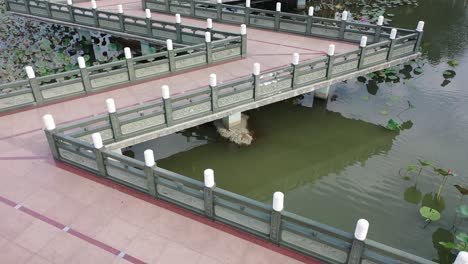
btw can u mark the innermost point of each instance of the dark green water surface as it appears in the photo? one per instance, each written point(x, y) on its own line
point(337, 163)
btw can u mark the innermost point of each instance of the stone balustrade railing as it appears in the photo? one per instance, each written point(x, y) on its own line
point(114, 22)
point(308, 25)
point(270, 222)
point(174, 113)
point(195, 47)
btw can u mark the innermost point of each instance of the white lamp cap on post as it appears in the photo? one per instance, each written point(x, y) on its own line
point(208, 175)
point(278, 201)
point(120, 9)
point(166, 94)
point(177, 18)
point(243, 29)
point(147, 13)
point(110, 103)
point(331, 50)
point(247, 3)
point(209, 23)
point(93, 4)
point(30, 72)
point(295, 59)
point(393, 33)
point(380, 21)
point(420, 27)
point(256, 68)
point(362, 226)
point(97, 140)
point(278, 6)
point(128, 53)
point(344, 16)
point(81, 62)
point(69, 2)
point(219, 1)
point(311, 11)
point(462, 258)
point(169, 44)
point(149, 157)
point(49, 122)
point(213, 80)
point(363, 43)
point(207, 37)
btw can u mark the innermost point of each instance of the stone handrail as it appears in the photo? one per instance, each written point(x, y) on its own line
point(88, 80)
point(307, 25)
point(171, 114)
point(113, 22)
point(280, 227)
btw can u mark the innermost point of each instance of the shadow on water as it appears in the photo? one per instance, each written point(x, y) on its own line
point(293, 146)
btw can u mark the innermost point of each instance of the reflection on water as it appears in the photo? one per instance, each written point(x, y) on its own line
point(337, 163)
point(286, 153)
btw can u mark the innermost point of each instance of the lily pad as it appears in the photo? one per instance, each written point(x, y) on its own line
point(426, 162)
point(462, 211)
point(429, 213)
point(453, 63)
point(393, 125)
point(384, 112)
point(461, 189)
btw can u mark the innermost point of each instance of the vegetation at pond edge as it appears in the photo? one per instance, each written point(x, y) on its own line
point(363, 10)
point(47, 47)
point(433, 204)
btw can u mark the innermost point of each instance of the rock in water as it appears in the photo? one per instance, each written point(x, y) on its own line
point(239, 135)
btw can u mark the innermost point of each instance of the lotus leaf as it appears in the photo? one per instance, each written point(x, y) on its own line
point(429, 213)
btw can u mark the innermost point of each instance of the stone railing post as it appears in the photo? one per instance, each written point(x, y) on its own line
point(209, 181)
point(294, 63)
point(130, 66)
point(378, 29)
point(33, 83)
point(113, 119)
point(331, 57)
point(208, 47)
point(243, 33)
point(277, 16)
point(309, 21)
point(192, 8)
point(84, 75)
point(219, 10)
point(120, 13)
point(27, 7)
point(393, 35)
point(256, 82)
point(70, 10)
point(275, 223)
point(98, 147)
point(358, 245)
point(149, 24)
point(420, 30)
point(362, 52)
point(462, 258)
point(168, 6)
point(178, 27)
point(170, 55)
point(149, 171)
point(214, 93)
point(209, 25)
point(166, 96)
point(344, 19)
point(95, 15)
point(247, 12)
point(47, 7)
point(49, 131)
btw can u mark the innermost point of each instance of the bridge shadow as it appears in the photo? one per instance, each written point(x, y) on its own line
point(293, 146)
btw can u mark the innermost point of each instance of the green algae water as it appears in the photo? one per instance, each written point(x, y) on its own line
point(336, 162)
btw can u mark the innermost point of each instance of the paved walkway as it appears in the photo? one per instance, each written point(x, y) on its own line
point(52, 213)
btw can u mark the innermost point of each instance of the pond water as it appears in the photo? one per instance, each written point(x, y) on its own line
point(337, 163)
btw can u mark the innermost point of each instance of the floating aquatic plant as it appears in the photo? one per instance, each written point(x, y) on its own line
point(430, 214)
